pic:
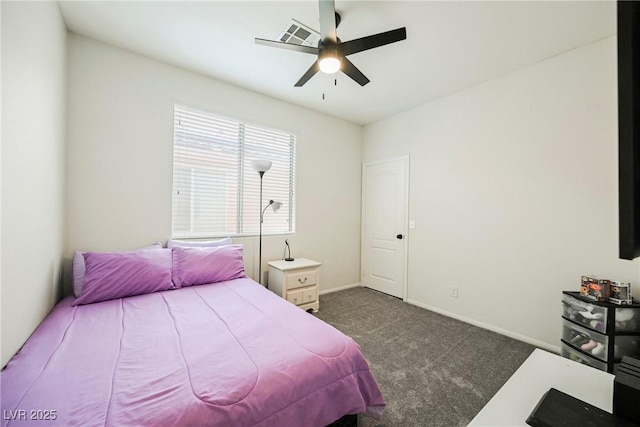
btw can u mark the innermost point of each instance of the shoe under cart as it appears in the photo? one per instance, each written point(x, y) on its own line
point(598, 334)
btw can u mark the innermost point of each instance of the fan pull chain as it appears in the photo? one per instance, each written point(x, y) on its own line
point(335, 83)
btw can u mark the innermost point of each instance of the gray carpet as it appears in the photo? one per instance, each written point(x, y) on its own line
point(432, 370)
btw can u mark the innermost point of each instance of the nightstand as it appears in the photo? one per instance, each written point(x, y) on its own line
point(296, 281)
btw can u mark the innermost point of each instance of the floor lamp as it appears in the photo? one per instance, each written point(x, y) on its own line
point(261, 166)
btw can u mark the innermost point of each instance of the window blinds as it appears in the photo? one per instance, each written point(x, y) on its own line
point(216, 191)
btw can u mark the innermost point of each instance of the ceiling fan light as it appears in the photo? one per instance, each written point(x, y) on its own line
point(329, 64)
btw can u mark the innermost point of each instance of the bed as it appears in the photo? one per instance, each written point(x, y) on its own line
point(229, 353)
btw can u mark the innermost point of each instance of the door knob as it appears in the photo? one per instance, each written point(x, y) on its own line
point(399, 237)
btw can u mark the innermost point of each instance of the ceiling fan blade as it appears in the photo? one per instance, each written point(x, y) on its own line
point(350, 70)
point(289, 46)
point(328, 21)
point(310, 73)
point(370, 42)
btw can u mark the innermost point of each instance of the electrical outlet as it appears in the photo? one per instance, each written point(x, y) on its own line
point(453, 292)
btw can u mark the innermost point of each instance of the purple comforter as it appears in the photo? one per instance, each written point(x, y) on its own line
point(224, 354)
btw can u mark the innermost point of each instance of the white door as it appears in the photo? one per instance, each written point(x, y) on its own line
point(385, 199)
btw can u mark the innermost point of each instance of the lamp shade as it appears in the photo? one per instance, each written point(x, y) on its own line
point(261, 165)
point(276, 205)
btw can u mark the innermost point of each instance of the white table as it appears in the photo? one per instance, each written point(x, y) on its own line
point(517, 398)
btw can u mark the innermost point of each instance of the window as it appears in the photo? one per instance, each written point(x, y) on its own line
point(216, 191)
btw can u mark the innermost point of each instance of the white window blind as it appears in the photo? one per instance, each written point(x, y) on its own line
point(216, 190)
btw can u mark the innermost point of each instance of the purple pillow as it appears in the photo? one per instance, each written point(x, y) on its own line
point(79, 269)
point(111, 275)
point(198, 266)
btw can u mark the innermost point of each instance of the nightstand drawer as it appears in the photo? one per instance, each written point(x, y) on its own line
point(310, 294)
point(295, 297)
point(301, 278)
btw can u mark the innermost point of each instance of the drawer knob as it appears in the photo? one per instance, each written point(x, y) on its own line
point(302, 281)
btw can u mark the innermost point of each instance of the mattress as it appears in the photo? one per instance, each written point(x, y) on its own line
point(223, 354)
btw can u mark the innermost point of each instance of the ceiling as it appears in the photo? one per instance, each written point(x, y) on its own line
point(450, 44)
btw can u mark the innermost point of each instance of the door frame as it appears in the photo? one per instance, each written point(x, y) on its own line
point(405, 262)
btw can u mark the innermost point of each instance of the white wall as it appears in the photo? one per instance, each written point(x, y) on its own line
point(33, 141)
point(514, 191)
point(120, 159)
point(513, 182)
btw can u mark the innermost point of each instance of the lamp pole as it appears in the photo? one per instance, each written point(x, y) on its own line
point(260, 245)
point(261, 166)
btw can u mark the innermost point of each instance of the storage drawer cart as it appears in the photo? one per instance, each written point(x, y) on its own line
point(599, 333)
point(296, 281)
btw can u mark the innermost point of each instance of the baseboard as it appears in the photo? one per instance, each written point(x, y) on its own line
point(340, 288)
point(510, 334)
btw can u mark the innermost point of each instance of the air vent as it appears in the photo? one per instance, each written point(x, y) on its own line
point(297, 33)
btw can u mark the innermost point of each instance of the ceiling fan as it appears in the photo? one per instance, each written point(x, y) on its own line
point(331, 51)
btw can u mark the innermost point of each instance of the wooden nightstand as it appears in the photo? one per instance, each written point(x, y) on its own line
point(296, 281)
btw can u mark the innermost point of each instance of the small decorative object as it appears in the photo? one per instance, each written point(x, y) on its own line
point(287, 251)
point(585, 285)
point(620, 293)
point(602, 291)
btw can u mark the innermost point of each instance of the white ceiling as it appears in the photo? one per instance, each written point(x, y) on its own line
point(450, 45)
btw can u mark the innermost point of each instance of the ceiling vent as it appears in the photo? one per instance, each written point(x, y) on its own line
point(297, 33)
